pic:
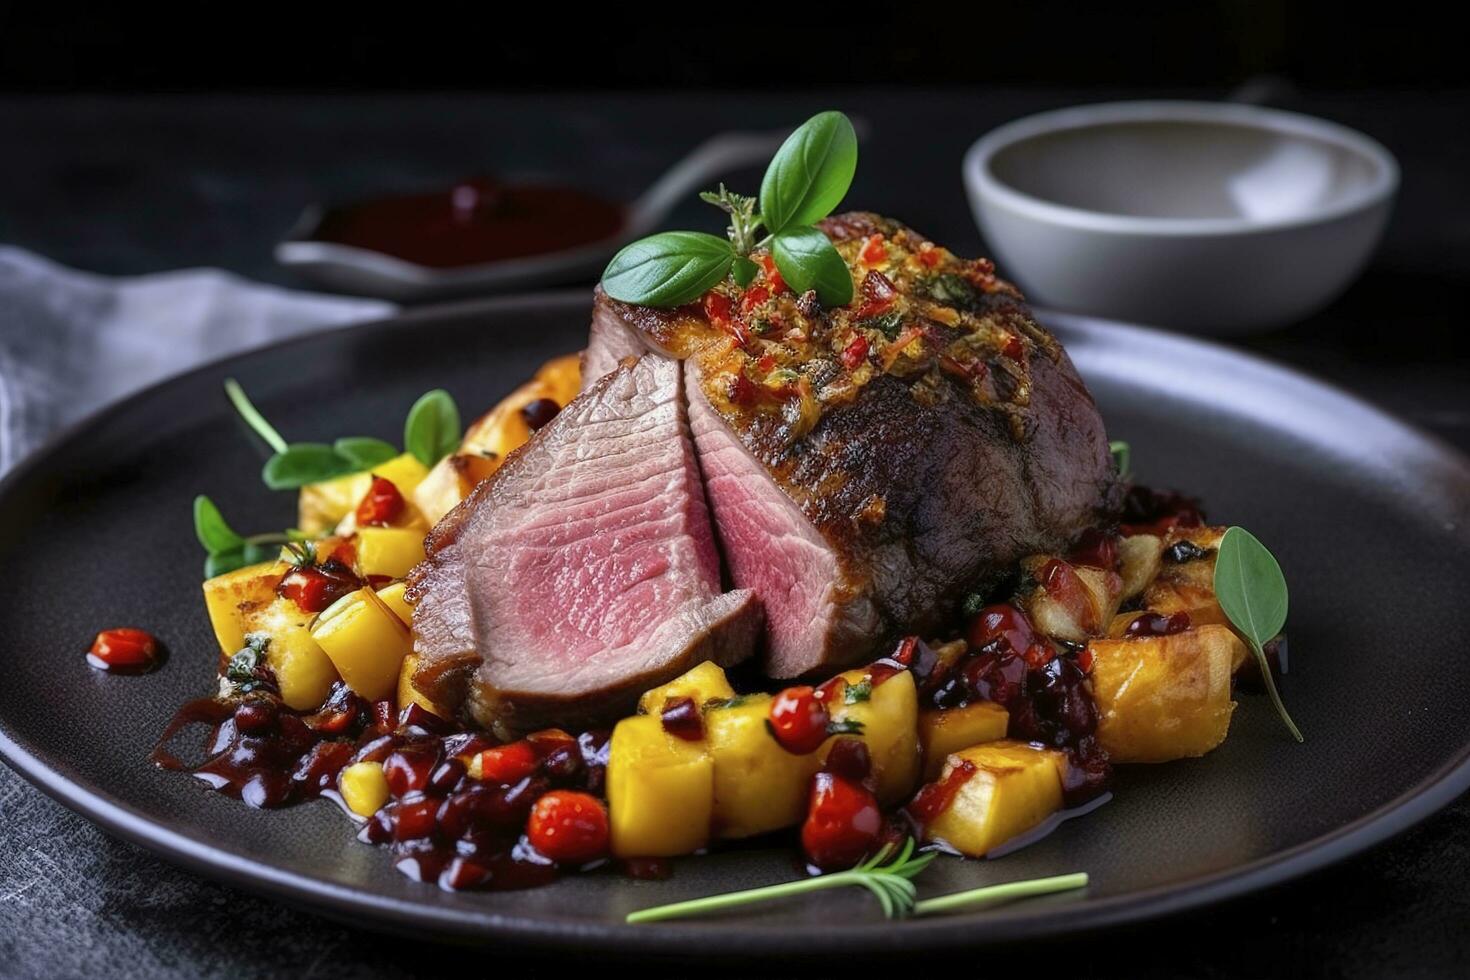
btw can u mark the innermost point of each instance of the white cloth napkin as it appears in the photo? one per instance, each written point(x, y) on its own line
point(72, 341)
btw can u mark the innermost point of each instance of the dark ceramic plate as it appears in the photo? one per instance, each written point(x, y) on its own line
point(1370, 519)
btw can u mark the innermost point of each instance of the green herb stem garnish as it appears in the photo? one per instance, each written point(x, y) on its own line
point(806, 179)
point(1252, 591)
point(227, 549)
point(1122, 457)
point(890, 883)
point(431, 432)
point(993, 894)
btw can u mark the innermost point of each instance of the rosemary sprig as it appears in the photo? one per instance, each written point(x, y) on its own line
point(992, 894)
point(890, 883)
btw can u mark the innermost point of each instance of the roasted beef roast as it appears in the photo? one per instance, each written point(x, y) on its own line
point(870, 466)
point(584, 570)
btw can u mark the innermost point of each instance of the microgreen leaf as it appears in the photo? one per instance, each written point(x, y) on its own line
point(211, 528)
point(890, 883)
point(363, 452)
point(810, 174)
point(859, 692)
point(222, 562)
point(807, 260)
point(252, 416)
point(1122, 457)
point(743, 271)
point(1252, 591)
point(302, 463)
point(432, 430)
point(668, 269)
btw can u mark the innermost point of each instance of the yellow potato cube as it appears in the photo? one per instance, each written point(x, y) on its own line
point(660, 790)
point(404, 471)
point(235, 598)
point(303, 670)
point(1141, 556)
point(949, 730)
point(367, 643)
point(759, 786)
point(1010, 788)
point(390, 551)
point(1070, 602)
point(449, 482)
point(703, 682)
point(364, 787)
point(321, 506)
point(394, 596)
point(1164, 697)
point(889, 715)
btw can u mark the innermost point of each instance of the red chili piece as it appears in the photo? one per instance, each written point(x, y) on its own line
point(873, 250)
point(798, 720)
point(508, 763)
point(382, 505)
point(855, 353)
point(773, 275)
point(842, 823)
point(123, 648)
point(315, 587)
point(568, 827)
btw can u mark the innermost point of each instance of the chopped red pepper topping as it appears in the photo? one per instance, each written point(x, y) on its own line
point(767, 363)
point(568, 827)
point(855, 352)
point(740, 390)
point(773, 275)
point(929, 255)
point(717, 307)
point(754, 297)
point(874, 251)
point(315, 587)
point(381, 506)
point(508, 763)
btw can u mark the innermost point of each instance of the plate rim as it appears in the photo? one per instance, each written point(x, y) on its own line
point(988, 927)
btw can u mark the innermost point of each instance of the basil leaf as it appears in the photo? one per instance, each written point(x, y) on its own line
point(810, 174)
point(1252, 591)
point(807, 260)
point(432, 429)
point(363, 452)
point(1122, 456)
point(668, 269)
point(744, 271)
point(220, 562)
point(211, 529)
point(303, 463)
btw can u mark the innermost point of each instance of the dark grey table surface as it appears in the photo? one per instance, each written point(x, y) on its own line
point(160, 182)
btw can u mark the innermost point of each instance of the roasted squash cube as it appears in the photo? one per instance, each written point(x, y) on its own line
point(1141, 556)
point(949, 730)
point(1070, 602)
point(563, 375)
point(1010, 788)
point(759, 786)
point(366, 642)
point(1164, 697)
point(449, 482)
point(703, 682)
point(303, 671)
point(889, 715)
point(660, 790)
point(395, 597)
point(320, 507)
point(390, 551)
point(234, 599)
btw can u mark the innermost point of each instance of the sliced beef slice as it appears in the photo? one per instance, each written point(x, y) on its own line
point(584, 571)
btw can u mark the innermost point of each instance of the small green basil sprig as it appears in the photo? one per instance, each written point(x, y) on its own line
point(431, 432)
point(805, 181)
point(1252, 591)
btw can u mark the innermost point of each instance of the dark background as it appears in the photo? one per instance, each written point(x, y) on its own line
point(519, 46)
point(137, 141)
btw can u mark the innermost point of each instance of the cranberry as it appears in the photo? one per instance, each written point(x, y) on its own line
point(681, 719)
point(415, 819)
point(318, 769)
point(1157, 624)
point(1148, 511)
point(994, 677)
point(1002, 624)
point(539, 412)
point(798, 720)
point(415, 719)
point(381, 505)
point(563, 763)
point(1087, 774)
point(256, 717)
point(1096, 550)
point(124, 650)
point(463, 873)
point(1066, 588)
point(338, 712)
point(425, 865)
point(568, 827)
point(378, 829)
point(408, 769)
point(375, 750)
point(480, 808)
point(849, 759)
point(508, 763)
point(266, 788)
point(842, 823)
point(445, 777)
point(1182, 551)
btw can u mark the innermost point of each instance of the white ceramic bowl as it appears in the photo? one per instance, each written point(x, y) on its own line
point(1216, 218)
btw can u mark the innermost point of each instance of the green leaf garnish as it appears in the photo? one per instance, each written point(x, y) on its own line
point(432, 430)
point(993, 894)
point(890, 883)
point(1122, 457)
point(302, 463)
point(806, 179)
point(668, 269)
point(364, 452)
point(210, 527)
point(810, 174)
point(1252, 591)
point(808, 260)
